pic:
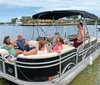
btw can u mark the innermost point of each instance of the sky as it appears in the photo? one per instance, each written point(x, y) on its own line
point(16, 8)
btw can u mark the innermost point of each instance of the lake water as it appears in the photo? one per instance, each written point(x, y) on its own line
point(30, 32)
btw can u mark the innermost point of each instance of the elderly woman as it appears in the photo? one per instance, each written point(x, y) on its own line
point(58, 47)
point(9, 47)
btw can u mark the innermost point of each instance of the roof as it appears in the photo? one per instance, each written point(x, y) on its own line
point(63, 13)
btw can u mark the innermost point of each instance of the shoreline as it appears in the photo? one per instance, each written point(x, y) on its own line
point(54, 25)
point(44, 25)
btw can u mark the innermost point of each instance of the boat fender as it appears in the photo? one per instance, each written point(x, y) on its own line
point(90, 59)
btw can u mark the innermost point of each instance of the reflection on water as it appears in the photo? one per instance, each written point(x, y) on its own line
point(89, 76)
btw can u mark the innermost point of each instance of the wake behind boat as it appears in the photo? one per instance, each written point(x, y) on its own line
point(52, 68)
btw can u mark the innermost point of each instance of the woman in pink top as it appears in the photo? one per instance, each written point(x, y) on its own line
point(58, 47)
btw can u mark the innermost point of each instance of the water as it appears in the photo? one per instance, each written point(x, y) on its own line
point(30, 32)
point(90, 76)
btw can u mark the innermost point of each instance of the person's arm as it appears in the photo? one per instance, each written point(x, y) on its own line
point(31, 52)
point(26, 42)
point(10, 46)
point(74, 36)
point(58, 51)
point(14, 43)
point(6, 47)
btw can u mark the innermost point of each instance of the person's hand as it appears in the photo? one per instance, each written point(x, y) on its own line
point(5, 46)
point(14, 43)
point(74, 37)
point(10, 46)
point(79, 41)
point(26, 42)
point(24, 52)
point(51, 51)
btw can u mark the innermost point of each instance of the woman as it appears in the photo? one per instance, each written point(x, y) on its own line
point(58, 47)
point(9, 47)
point(41, 49)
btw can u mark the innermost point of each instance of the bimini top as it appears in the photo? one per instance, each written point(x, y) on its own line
point(63, 13)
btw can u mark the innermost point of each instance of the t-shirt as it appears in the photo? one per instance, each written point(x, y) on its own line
point(42, 52)
point(22, 46)
point(56, 47)
point(11, 51)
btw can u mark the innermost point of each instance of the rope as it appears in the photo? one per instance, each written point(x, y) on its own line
point(43, 31)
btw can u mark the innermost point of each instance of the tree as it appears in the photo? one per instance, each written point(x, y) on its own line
point(2, 23)
point(74, 18)
point(13, 20)
point(25, 19)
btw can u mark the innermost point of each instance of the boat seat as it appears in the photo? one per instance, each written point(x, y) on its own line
point(56, 35)
point(66, 48)
point(33, 43)
point(81, 47)
point(4, 54)
point(48, 46)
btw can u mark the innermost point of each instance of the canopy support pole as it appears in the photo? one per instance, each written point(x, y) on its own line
point(96, 27)
point(54, 23)
point(43, 31)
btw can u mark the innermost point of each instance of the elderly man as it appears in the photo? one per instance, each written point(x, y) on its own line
point(22, 43)
point(79, 37)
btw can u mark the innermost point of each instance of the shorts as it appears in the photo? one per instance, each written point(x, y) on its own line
point(76, 44)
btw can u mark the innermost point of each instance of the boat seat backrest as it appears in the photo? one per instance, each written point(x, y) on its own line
point(48, 46)
point(66, 48)
point(3, 51)
point(80, 48)
point(4, 54)
point(86, 41)
point(33, 43)
point(56, 35)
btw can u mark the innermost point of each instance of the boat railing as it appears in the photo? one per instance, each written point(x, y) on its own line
point(46, 63)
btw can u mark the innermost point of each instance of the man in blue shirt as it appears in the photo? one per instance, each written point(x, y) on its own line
point(22, 43)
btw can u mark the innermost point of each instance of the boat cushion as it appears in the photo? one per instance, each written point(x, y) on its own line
point(33, 43)
point(66, 48)
point(4, 52)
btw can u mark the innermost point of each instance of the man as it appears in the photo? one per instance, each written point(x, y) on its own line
point(22, 43)
point(79, 37)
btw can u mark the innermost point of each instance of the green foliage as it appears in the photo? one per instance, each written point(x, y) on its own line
point(25, 19)
point(98, 20)
point(13, 20)
point(8, 23)
point(71, 19)
point(2, 23)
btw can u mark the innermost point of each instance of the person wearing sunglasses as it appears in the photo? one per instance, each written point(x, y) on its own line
point(58, 47)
